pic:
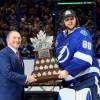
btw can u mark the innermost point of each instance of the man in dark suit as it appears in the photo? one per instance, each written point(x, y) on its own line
point(12, 78)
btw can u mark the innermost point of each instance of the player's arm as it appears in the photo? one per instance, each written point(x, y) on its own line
point(82, 58)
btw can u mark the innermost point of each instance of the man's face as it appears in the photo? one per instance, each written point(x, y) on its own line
point(70, 22)
point(14, 40)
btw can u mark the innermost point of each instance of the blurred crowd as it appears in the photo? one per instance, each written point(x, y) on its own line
point(31, 16)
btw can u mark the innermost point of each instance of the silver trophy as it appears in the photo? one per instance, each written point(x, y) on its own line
point(45, 65)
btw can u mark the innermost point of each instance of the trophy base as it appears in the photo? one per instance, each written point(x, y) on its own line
point(46, 79)
point(46, 67)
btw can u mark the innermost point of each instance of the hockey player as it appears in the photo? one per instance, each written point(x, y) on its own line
point(74, 52)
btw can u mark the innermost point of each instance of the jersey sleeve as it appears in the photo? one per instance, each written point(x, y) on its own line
point(82, 58)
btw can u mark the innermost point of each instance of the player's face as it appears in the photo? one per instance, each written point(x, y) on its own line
point(14, 40)
point(70, 22)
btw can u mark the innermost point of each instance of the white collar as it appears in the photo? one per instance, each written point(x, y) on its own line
point(15, 50)
point(64, 31)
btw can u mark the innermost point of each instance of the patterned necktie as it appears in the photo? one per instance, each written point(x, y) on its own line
point(19, 57)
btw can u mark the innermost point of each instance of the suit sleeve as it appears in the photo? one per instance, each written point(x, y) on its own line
point(7, 72)
point(82, 58)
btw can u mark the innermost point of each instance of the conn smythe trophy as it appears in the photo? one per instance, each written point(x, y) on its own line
point(45, 64)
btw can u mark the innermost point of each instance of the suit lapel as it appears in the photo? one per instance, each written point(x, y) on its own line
point(13, 56)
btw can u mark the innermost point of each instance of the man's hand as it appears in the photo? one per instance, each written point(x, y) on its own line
point(62, 74)
point(31, 79)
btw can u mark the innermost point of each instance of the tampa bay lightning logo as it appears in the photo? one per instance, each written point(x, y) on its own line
point(63, 54)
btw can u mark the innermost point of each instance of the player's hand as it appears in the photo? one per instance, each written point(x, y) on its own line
point(62, 74)
point(31, 78)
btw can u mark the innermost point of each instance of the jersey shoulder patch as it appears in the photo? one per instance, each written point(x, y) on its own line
point(84, 32)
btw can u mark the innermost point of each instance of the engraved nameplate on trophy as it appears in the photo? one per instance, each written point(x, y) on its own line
point(43, 53)
point(45, 64)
